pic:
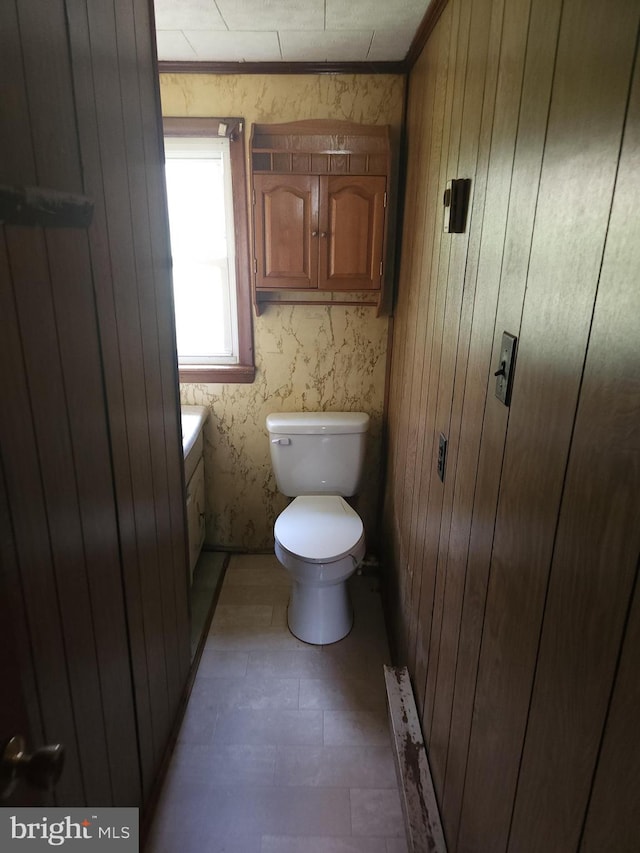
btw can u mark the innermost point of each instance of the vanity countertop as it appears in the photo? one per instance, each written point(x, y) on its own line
point(193, 418)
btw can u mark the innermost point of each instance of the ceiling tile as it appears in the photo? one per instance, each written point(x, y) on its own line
point(273, 14)
point(188, 15)
point(377, 14)
point(172, 45)
point(217, 46)
point(335, 46)
point(390, 45)
point(289, 30)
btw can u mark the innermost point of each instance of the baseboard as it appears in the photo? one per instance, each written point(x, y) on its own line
point(419, 805)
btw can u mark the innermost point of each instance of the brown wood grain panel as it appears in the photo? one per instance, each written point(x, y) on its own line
point(449, 25)
point(24, 705)
point(614, 807)
point(474, 160)
point(159, 234)
point(417, 304)
point(435, 62)
point(131, 105)
point(17, 166)
point(122, 308)
point(19, 712)
point(32, 542)
point(503, 139)
point(484, 49)
point(403, 317)
point(423, 33)
point(531, 132)
point(73, 304)
point(426, 250)
point(596, 550)
point(426, 266)
point(450, 286)
point(561, 285)
point(80, 358)
point(612, 819)
point(89, 136)
point(30, 547)
point(71, 552)
point(47, 393)
point(49, 94)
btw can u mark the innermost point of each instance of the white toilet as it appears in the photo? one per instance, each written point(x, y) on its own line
point(317, 458)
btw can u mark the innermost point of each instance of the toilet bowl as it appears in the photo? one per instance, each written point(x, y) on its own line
point(320, 540)
point(317, 459)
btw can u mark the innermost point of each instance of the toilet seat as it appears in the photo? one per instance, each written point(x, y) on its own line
point(319, 528)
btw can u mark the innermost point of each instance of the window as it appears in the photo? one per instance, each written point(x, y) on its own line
point(206, 192)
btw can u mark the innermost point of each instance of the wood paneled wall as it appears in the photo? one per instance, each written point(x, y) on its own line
point(93, 542)
point(513, 583)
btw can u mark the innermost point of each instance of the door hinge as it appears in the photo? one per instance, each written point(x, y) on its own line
point(255, 266)
point(385, 200)
point(253, 196)
point(381, 264)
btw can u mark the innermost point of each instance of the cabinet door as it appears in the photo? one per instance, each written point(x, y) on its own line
point(286, 227)
point(351, 232)
point(195, 515)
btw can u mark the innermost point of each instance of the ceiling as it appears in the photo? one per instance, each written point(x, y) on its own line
point(286, 30)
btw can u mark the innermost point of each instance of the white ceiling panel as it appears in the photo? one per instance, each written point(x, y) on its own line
point(216, 46)
point(188, 15)
point(388, 45)
point(347, 46)
point(377, 14)
point(287, 30)
point(272, 14)
point(173, 45)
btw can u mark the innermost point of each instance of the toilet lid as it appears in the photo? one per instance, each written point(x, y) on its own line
point(319, 528)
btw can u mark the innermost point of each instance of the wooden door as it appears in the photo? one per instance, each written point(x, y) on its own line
point(54, 442)
point(286, 231)
point(351, 232)
point(14, 661)
point(92, 530)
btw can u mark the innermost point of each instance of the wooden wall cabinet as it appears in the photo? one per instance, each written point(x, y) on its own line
point(319, 192)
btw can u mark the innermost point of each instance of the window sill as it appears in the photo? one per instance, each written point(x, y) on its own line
point(218, 373)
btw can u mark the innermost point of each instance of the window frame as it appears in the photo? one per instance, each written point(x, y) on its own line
point(244, 371)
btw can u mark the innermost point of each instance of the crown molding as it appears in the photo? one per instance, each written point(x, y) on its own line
point(169, 67)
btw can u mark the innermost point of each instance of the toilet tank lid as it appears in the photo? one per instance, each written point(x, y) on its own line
point(312, 423)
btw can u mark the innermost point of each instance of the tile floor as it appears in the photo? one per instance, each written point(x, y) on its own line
point(285, 747)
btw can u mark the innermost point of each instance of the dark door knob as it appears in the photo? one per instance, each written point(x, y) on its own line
point(41, 769)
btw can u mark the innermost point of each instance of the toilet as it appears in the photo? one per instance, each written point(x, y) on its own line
point(317, 459)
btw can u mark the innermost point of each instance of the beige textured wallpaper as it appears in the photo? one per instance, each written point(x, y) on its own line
point(308, 358)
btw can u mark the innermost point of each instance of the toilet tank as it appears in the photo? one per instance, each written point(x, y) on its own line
point(315, 453)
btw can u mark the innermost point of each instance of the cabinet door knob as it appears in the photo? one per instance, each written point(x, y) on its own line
point(314, 233)
point(323, 233)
